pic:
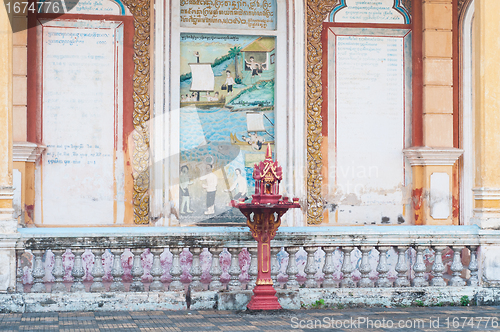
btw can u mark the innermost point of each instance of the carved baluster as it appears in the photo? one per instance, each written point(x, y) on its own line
point(438, 268)
point(419, 268)
point(473, 267)
point(176, 271)
point(234, 270)
point(78, 272)
point(328, 268)
point(38, 273)
point(347, 269)
point(156, 271)
point(58, 272)
point(275, 268)
point(252, 271)
point(383, 268)
point(402, 268)
point(215, 269)
point(292, 268)
point(195, 270)
point(365, 267)
point(117, 271)
point(457, 267)
point(19, 272)
point(137, 271)
point(310, 269)
point(97, 272)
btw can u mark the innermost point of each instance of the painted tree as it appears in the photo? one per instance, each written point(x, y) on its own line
point(235, 51)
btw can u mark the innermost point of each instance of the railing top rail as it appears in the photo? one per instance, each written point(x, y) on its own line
point(193, 231)
point(154, 237)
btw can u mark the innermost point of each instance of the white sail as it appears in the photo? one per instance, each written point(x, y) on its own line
point(255, 121)
point(202, 77)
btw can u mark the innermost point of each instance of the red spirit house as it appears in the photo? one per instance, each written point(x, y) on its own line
point(264, 218)
point(268, 175)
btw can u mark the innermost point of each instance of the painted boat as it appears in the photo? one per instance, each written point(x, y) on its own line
point(203, 80)
point(205, 104)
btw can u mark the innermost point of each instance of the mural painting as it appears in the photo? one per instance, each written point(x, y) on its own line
point(227, 120)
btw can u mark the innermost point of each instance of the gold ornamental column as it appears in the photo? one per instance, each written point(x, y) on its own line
point(487, 114)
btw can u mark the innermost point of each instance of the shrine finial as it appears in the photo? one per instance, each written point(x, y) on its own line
point(269, 152)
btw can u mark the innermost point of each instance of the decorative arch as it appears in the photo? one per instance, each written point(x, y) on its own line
point(317, 12)
point(403, 7)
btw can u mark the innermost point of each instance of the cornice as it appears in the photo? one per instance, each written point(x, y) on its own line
point(486, 193)
point(425, 156)
point(27, 151)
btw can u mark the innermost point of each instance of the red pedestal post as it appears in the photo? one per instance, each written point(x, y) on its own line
point(264, 221)
point(264, 297)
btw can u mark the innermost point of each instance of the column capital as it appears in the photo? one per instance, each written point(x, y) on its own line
point(27, 151)
point(426, 156)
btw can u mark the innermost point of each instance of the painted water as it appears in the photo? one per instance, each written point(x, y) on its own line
point(205, 139)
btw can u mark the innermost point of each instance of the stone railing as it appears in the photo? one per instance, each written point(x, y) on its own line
point(187, 262)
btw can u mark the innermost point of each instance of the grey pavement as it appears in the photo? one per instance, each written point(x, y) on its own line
point(483, 318)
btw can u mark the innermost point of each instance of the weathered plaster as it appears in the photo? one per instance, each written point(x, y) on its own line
point(237, 300)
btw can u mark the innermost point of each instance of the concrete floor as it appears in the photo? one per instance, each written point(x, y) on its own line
point(482, 318)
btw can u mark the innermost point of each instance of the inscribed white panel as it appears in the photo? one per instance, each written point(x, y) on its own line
point(370, 128)
point(82, 107)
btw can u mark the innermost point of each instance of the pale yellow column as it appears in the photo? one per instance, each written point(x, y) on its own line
point(487, 114)
point(22, 208)
point(7, 223)
point(438, 73)
point(433, 194)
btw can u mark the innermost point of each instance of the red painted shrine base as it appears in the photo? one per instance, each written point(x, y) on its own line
point(264, 220)
point(264, 298)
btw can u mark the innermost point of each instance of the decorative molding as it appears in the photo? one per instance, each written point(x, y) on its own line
point(317, 11)
point(336, 8)
point(140, 9)
point(407, 4)
point(425, 156)
point(6, 193)
point(8, 224)
point(27, 151)
point(462, 5)
point(486, 193)
point(405, 10)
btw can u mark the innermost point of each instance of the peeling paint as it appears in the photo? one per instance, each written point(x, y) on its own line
point(417, 205)
point(237, 300)
point(351, 199)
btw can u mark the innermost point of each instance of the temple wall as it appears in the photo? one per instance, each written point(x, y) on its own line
point(430, 192)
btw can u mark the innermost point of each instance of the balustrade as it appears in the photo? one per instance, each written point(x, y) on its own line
point(409, 263)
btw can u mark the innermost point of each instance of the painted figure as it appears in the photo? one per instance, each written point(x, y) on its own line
point(211, 188)
point(229, 82)
point(215, 97)
point(254, 66)
point(184, 191)
point(197, 55)
point(254, 140)
point(241, 184)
